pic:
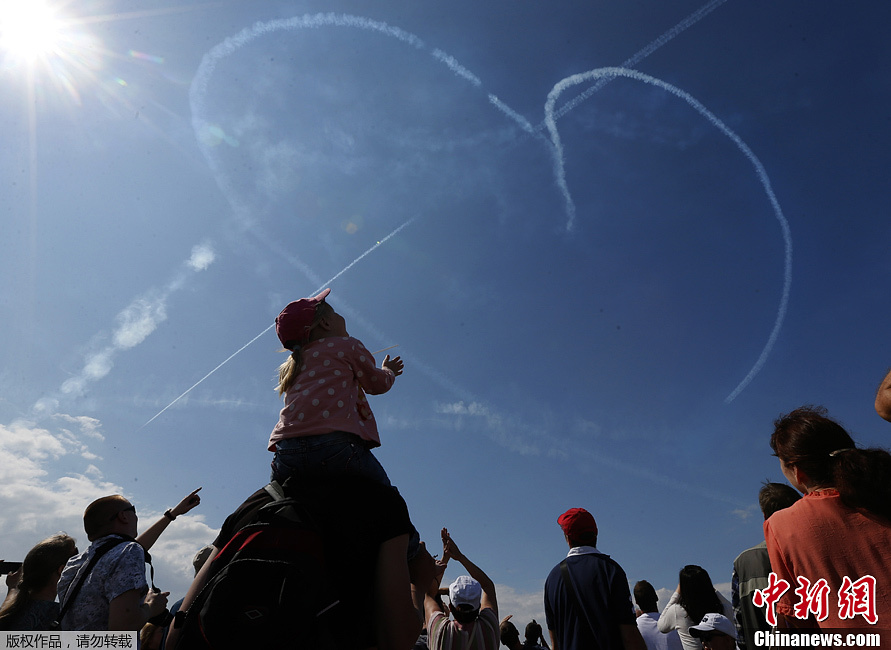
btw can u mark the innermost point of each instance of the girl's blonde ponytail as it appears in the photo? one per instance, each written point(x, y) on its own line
point(288, 371)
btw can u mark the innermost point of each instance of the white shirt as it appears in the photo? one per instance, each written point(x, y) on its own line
point(648, 624)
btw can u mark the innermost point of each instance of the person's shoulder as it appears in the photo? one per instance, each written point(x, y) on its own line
point(75, 562)
point(243, 515)
point(759, 549)
point(435, 624)
point(117, 548)
point(489, 616)
point(555, 572)
point(604, 562)
point(787, 517)
point(125, 557)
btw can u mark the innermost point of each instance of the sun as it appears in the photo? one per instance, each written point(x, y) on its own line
point(29, 29)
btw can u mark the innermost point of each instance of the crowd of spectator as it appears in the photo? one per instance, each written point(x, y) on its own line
point(284, 550)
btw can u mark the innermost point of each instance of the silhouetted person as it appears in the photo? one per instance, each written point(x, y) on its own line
point(648, 620)
point(587, 602)
point(751, 569)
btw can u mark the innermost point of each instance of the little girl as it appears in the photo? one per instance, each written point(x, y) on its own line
point(326, 426)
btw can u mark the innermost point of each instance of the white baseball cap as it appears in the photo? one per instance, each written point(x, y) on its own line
point(465, 591)
point(714, 623)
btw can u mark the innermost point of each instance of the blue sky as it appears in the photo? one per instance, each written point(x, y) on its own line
point(613, 242)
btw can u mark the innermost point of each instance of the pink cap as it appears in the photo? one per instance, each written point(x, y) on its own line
point(295, 320)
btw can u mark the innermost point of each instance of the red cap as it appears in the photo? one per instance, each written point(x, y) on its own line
point(295, 320)
point(577, 521)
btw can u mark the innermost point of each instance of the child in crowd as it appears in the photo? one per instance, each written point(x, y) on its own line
point(326, 426)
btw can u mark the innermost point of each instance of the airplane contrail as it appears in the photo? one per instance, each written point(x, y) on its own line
point(246, 345)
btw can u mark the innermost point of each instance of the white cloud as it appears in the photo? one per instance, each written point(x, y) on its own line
point(522, 606)
point(746, 513)
point(38, 499)
point(459, 408)
point(98, 365)
point(87, 425)
point(202, 256)
point(663, 594)
point(133, 325)
point(34, 501)
point(501, 429)
point(138, 320)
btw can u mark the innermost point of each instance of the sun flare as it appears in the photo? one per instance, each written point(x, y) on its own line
point(29, 29)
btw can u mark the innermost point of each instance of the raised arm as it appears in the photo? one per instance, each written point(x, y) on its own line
point(150, 536)
point(130, 611)
point(488, 587)
point(668, 620)
point(12, 581)
point(432, 603)
point(194, 589)
point(883, 398)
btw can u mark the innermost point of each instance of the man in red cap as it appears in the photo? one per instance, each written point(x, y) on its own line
point(587, 602)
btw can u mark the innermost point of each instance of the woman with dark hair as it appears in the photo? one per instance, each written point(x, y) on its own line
point(695, 597)
point(839, 532)
point(33, 606)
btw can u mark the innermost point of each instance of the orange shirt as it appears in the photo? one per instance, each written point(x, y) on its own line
point(821, 537)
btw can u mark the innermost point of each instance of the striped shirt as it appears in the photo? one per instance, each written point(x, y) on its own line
point(483, 634)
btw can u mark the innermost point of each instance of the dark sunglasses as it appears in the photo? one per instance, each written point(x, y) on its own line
point(131, 507)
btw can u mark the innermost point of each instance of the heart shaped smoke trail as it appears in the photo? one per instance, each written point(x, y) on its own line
point(601, 77)
point(560, 173)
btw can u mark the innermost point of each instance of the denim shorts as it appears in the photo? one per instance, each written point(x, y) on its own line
point(332, 454)
point(329, 454)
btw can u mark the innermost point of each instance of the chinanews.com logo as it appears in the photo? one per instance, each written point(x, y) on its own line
point(855, 598)
point(823, 639)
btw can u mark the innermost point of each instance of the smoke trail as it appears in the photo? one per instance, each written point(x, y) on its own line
point(665, 38)
point(512, 114)
point(198, 88)
point(456, 67)
point(557, 152)
point(246, 345)
point(230, 45)
point(612, 73)
point(551, 117)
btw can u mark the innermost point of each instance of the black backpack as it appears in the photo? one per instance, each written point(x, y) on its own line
point(269, 587)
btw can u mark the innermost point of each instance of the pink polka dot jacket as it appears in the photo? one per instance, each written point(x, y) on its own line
point(329, 393)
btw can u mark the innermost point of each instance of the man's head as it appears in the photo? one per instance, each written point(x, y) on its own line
point(716, 632)
point(776, 496)
point(201, 557)
point(579, 527)
point(645, 596)
point(111, 514)
point(465, 594)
